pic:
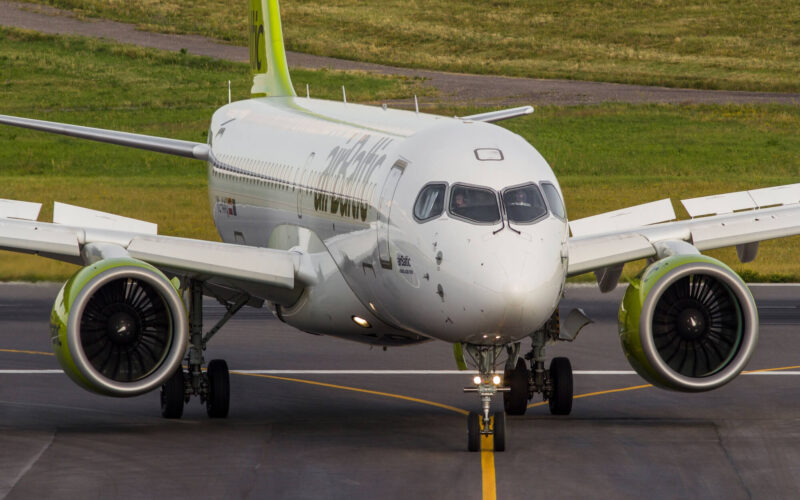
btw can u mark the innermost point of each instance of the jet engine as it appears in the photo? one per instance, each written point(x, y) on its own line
point(688, 323)
point(119, 327)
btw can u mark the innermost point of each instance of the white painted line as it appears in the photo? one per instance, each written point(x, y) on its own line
point(773, 373)
point(409, 372)
point(386, 372)
point(604, 372)
point(29, 372)
point(357, 372)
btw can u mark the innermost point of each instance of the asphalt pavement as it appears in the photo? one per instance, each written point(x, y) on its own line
point(381, 435)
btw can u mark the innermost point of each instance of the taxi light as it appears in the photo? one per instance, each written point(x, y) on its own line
point(361, 322)
point(496, 380)
point(477, 380)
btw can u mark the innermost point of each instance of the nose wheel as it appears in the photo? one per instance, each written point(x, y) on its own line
point(485, 425)
point(475, 431)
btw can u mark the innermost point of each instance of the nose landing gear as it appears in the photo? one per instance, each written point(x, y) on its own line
point(487, 383)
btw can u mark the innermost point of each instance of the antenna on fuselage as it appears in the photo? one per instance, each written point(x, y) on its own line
point(229, 91)
point(344, 95)
point(416, 104)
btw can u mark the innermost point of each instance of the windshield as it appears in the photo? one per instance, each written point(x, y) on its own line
point(475, 204)
point(430, 202)
point(554, 200)
point(524, 204)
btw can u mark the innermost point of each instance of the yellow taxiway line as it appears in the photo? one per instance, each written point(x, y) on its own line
point(18, 351)
point(356, 389)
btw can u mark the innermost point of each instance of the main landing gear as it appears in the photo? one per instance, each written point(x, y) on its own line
point(555, 384)
point(213, 385)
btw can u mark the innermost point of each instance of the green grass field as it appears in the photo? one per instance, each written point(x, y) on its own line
point(607, 156)
point(726, 44)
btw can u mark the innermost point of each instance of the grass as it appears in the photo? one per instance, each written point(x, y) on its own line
point(727, 44)
point(607, 157)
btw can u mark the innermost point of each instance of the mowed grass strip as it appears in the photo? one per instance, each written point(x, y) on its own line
point(727, 44)
point(607, 157)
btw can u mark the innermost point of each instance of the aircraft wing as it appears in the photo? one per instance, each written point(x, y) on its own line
point(187, 149)
point(83, 236)
point(734, 219)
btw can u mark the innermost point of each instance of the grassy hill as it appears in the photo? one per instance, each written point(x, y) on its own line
point(726, 44)
point(607, 156)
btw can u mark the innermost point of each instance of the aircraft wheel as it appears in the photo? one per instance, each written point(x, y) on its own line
point(515, 401)
point(219, 389)
point(173, 394)
point(473, 431)
point(500, 431)
point(561, 380)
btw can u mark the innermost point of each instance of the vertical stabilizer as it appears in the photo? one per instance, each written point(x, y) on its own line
point(267, 55)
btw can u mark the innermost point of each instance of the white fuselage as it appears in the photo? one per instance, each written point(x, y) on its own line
point(339, 182)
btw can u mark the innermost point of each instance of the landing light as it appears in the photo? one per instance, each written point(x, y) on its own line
point(477, 380)
point(496, 380)
point(361, 322)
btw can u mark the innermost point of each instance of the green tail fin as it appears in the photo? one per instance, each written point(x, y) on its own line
point(267, 55)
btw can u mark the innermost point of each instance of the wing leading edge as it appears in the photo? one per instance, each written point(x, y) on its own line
point(596, 252)
point(268, 274)
point(187, 149)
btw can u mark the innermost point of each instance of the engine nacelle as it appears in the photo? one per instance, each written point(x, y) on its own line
point(119, 327)
point(688, 323)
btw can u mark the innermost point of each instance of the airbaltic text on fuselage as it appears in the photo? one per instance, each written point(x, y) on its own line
point(350, 166)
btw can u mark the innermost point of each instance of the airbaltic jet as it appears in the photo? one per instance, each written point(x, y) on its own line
point(390, 227)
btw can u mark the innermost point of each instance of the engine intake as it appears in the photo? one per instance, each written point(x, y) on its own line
point(119, 328)
point(688, 323)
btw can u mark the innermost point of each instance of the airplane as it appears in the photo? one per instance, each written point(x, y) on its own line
point(390, 227)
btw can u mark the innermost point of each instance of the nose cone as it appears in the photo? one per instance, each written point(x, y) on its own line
point(507, 290)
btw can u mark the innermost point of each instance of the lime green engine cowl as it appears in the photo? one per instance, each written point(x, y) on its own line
point(118, 327)
point(688, 323)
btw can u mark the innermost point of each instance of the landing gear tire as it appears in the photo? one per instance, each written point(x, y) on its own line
point(173, 395)
point(515, 401)
point(219, 389)
point(500, 432)
point(473, 431)
point(561, 380)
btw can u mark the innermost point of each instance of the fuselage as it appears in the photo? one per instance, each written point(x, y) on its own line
point(424, 226)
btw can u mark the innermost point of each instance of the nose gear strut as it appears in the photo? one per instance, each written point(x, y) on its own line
point(485, 423)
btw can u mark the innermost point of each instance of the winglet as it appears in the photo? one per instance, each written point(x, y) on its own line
point(267, 55)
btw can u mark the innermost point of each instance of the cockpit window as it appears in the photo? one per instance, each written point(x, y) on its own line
point(430, 202)
point(524, 204)
point(554, 200)
point(474, 204)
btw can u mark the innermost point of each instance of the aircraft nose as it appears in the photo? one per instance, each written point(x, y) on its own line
point(523, 284)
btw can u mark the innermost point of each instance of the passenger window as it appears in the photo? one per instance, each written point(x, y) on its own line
point(475, 204)
point(430, 202)
point(554, 200)
point(524, 204)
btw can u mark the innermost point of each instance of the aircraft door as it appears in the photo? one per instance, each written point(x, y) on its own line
point(384, 212)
